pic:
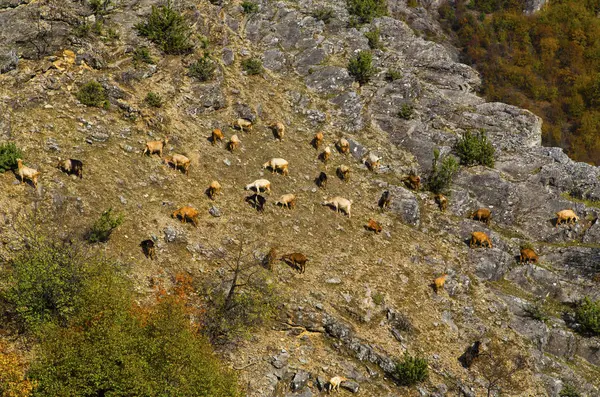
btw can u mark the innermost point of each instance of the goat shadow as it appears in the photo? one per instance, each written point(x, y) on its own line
point(27, 181)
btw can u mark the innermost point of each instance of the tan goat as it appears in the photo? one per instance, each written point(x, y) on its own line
point(27, 173)
point(217, 135)
point(413, 182)
point(278, 129)
point(339, 203)
point(480, 239)
point(343, 172)
point(441, 201)
point(243, 124)
point(372, 161)
point(277, 165)
point(568, 216)
point(156, 147)
point(317, 140)
point(259, 185)
point(343, 146)
point(179, 161)
point(439, 282)
point(334, 383)
point(287, 200)
point(213, 189)
point(233, 143)
point(325, 155)
point(186, 214)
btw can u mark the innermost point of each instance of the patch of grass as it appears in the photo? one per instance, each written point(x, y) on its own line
point(252, 66)
point(323, 14)
point(406, 111)
point(9, 153)
point(154, 100)
point(442, 173)
point(412, 3)
point(587, 203)
point(569, 391)
point(103, 227)
point(411, 370)
point(374, 37)
point(83, 29)
point(142, 55)
point(587, 315)
point(249, 7)
point(361, 67)
point(537, 311)
point(473, 149)
point(378, 298)
point(363, 11)
point(393, 75)
point(168, 29)
point(93, 94)
point(203, 69)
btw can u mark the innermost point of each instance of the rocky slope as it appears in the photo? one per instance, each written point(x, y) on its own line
point(356, 284)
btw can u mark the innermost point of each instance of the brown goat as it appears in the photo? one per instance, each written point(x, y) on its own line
point(413, 182)
point(155, 147)
point(480, 239)
point(148, 249)
point(186, 214)
point(374, 226)
point(317, 140)
point(439, 282)
point(213, 189)
point(233, 143)
point(343, 146)
point(343, 172)
point(287, 200)
point(270, 259)
point(27, 173)
point(528, 255)
point(217, 135)
point(441, 201)
point(297, 260)
point(483, 215)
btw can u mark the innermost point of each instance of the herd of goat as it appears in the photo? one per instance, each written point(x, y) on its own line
point(279, 165)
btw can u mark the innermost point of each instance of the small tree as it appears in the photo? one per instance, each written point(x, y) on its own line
point(475, 149)
point(252, 66)
point(503, 367)
point(154, 100)
point(249, 7)
point(203, 69)
point(411, 370)
point(9, 153)
point(587, 315)
point(364, 11)
point(168, 29)
point(361, 67)
point(569, 391)
point(93, 94)
point(104, 226)
point(442, 173)
point(406, 111)
point(374, 39)
point(142, 55)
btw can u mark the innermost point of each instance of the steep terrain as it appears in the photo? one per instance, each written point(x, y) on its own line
point(356, 283)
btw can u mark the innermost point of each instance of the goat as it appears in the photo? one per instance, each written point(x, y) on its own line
point(339, 203)
point(441, 201)
point(297, 260)
point(321, 180)
point(217, 135)
point(528, 255)
point(413, 182)
point(71, 167)
point(317, 140)
point(470, 355)
point(483, 214)
point(480, 238)
point(27, 173)
point(287, 200)
point(385, 199)
point(372, 161)
point(278, 130)
point(277, 165)
point(374, 226)
point(334, 383)
point(233, 143)
point(258, 185)
point(179, 161)
point(343, 172)
point(325, 155)
point(243, 124)
point(213, 189)
point(156, 147)
point(568, 216)
point(343, 146)
point(186, 214)
point(257, 202)
point(439, 282)
point(148, 249)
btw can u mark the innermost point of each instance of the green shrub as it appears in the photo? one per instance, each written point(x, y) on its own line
point(406, 111)
point(154, 100)
point(83, 29)
point(587, 315)
point(9, 153)
point(569, 391)
point(412, 3)
point(393, 75)
point(93, 94)
point(323, 14)
point(537, 312)
point(203, 69)
point(252, 66)
point(168, 29)
point(442, 173)
point(374, 39)
point(249, 7)
point(361, 67)
point(411, 370)
point(99, 7)
point(475, 149)
point(104, 226)
point(364, 11)
point(142, 55)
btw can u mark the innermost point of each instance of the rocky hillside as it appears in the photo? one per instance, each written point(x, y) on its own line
point(365, 299)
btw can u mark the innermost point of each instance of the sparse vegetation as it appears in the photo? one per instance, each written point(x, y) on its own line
point(537, 311)
point(168, 29)
point(503, 367)
point(474, 149)
point(9, 153)
point(323, 14)
point(411, 370)
point(82, 29)
point(252, 66)
point(412, 3)
point(442, 173)
point(569, 391)
point(393, 75)
point(249, 7)
point(203, 69)
point(363, 11)
point(154, 100)
point(93, 94)
point(142, 55)
point(374, 39)
point(361, 67)
point(378, 298)
point(587, 315)
point(406, 111)
point(99, 7)
point(104, 226)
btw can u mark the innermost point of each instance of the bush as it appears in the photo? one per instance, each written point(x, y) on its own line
point(587, 315)
point(142, 55)
point(249, 7)
point(9, 153)
point(475, 149)
point(154, 100)
point(203, 69)
point(569, 391)
point(373, 37)
point(360, 67)
point(411, 370)
point(393, 75)
point(93, 94)
point(13, 379)
point(104, 226)
point(168, 29)
point(442, 173)
point(406, 111)
point(252, 66)
point(323, 14)
point(99, 7)
point(365, 10)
